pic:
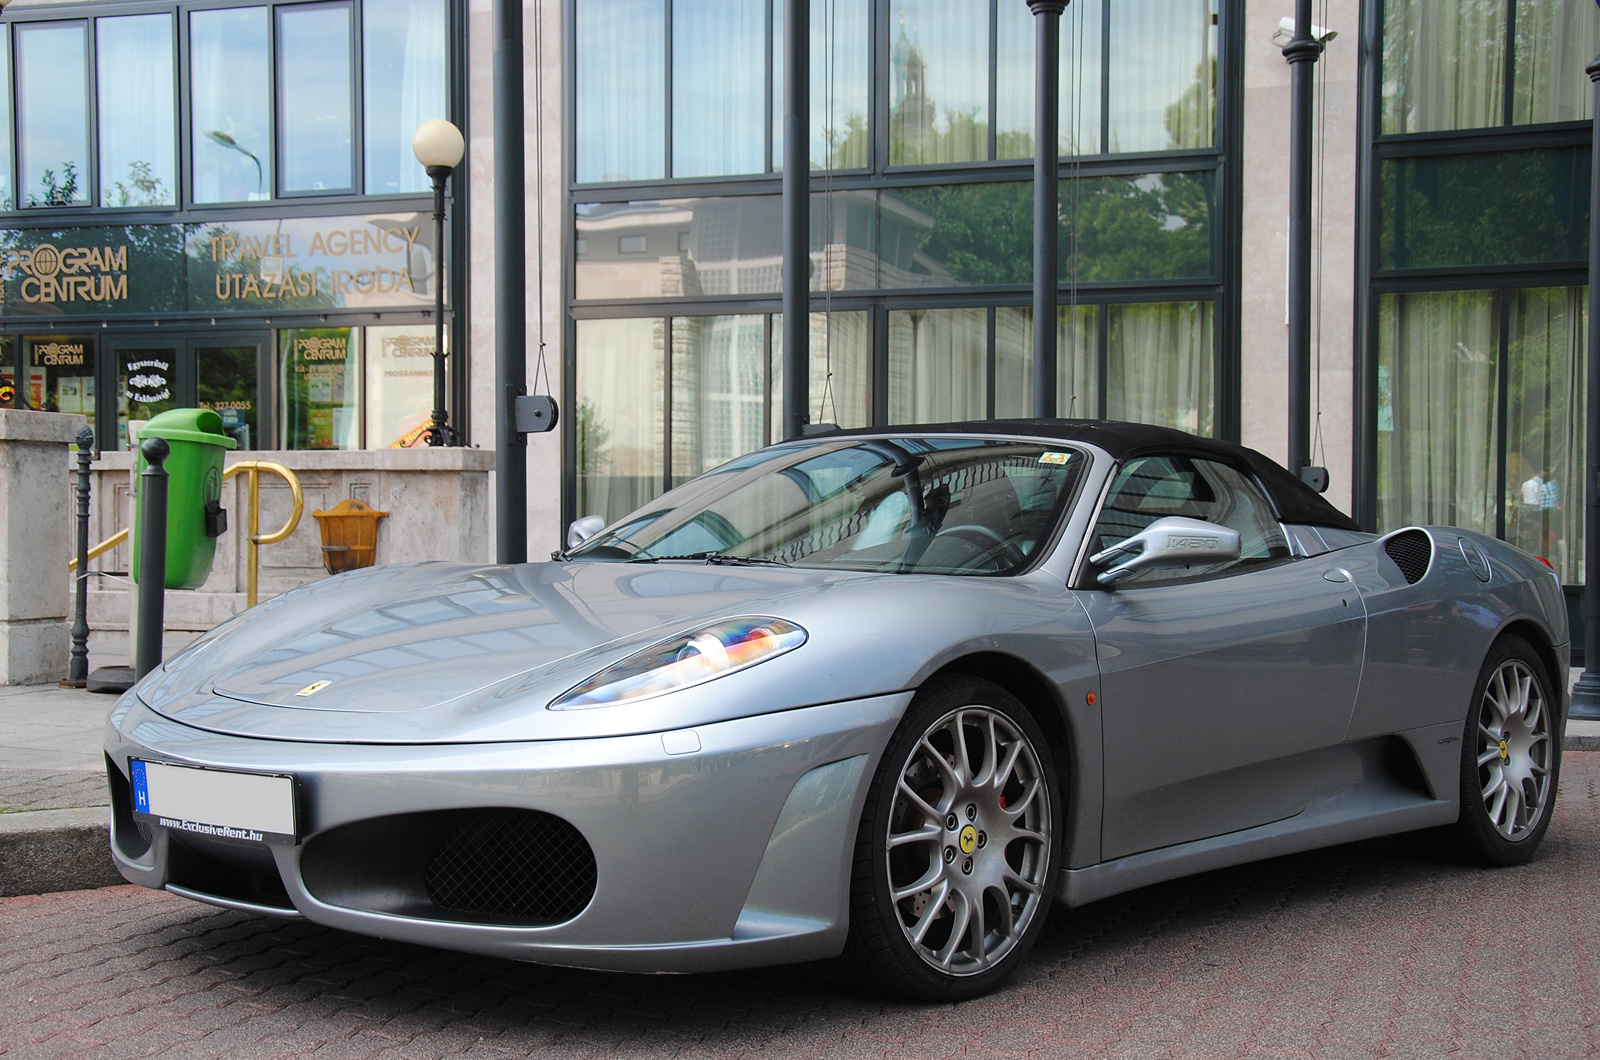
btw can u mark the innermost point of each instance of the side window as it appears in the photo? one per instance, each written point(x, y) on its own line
point(1155, 487)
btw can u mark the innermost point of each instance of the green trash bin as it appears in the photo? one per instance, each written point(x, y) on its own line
point(195, 518)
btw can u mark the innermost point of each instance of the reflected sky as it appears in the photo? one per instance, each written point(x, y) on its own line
point(138, 135)
point(53, 112)
point(621, 131)
point(231, 141)
point(315, 97)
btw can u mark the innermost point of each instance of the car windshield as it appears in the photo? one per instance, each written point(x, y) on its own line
point(899, 505)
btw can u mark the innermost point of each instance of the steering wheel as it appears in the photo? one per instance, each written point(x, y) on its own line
point(1005, 553)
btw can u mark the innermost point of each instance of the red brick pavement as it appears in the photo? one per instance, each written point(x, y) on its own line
point(1363, 950)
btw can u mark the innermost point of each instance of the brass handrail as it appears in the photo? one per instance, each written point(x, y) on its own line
point(102, 548)
point(252, 469)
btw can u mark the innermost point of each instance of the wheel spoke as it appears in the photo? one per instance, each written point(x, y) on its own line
point(930, 812)
point(934, 875)
point(1007, 923)
point(958, 739)
point(1020, 883)
point(1513, 808)
point(1015, 810)
point(1003, 773)
point(1497, 777)
point(929, 833)
point(1488, 734)
point(1498, 807)
point(941, 762)
point(935, 905)
point(1492, 754)
point(958, 930)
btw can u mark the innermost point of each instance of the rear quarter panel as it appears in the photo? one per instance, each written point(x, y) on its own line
point(1426, 642)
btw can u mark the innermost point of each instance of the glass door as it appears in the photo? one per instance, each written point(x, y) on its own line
point(147, 375)
point(230, 378)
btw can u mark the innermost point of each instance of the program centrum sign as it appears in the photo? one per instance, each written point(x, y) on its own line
point(376, 261)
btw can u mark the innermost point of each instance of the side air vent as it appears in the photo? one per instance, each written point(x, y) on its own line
point(514, 863)
point(1412, 551)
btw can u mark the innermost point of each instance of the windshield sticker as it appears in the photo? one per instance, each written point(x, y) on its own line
point(1053, 458)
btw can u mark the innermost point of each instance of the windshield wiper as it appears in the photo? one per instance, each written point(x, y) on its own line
point(716, 556)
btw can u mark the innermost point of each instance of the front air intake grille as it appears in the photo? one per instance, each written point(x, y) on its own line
point(514, 863)
point(1412, 551)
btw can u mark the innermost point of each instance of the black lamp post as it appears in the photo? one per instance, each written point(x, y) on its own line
point(1586, 693)
point(439, 146)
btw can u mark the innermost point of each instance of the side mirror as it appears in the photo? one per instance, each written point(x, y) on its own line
point(583, 529)
point(1167, 544)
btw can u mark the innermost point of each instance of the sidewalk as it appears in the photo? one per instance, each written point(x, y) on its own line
point(53, 800)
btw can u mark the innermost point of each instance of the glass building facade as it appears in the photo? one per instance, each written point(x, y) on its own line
point(216, 205)
point(921, 223)
point(1474, 262)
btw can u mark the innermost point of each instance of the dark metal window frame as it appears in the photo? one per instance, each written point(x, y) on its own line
point(1222, 288)
point(1373, 283)
point(205, 325)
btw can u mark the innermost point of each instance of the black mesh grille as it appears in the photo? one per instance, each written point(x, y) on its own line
point(1411, 551)
point(519, 863)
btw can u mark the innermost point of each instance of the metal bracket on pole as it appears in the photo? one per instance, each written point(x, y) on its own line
point(535, 413)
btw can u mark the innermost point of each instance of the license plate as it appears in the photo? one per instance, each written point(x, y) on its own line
point(256, 807)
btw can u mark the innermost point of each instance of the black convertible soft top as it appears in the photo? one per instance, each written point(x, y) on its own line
point(1296, 502)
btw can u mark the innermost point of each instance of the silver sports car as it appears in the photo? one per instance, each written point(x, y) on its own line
point(887, 695)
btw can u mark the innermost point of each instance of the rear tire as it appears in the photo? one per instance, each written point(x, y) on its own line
point(959, 846)
point(1510, 759)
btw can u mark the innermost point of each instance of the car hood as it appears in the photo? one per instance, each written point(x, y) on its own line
point(434, 651)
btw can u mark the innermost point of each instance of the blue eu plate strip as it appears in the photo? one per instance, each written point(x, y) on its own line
point(141, 787)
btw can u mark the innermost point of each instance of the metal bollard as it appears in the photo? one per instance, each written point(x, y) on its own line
point(152, 555)
point(78, 668)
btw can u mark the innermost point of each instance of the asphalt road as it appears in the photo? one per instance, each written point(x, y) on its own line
point(1360, 951)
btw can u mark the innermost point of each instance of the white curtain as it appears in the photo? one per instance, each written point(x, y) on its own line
point(719, 108)
point(1555, 41)
point(138, 144)
point(622, 72)
point(1159, 365)
point(938, 364)
point(1545, 426)
point(1077, 362)
point(1444, 64)
point(1437, 383)
point(1163, 75)
point(404, 64)
point(621, 384)
point(1080, 80)
point(939, 81)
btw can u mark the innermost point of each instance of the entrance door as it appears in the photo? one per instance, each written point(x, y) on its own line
point(146, 380)
point(228, 373)
point(231, 377)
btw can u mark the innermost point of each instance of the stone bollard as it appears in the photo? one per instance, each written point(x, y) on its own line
point(35, 545)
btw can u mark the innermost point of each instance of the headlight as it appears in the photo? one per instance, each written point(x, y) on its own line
point(686, 660)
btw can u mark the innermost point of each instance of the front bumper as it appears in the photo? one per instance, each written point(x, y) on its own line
point(734, 855)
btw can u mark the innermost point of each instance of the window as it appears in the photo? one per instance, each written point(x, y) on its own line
point(404, 66)
point(1473, 347)
point(271, 94)
point(314, 98)
point(138, 110)
point(230, 89)
point(319, 388)
point(921, 250)
point(53, 113)
point(1147, 489)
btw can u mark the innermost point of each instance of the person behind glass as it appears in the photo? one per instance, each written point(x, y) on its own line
point(1541, 499)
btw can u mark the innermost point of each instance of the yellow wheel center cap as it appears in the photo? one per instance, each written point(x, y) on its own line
point(969, 839)
point(1505, 751)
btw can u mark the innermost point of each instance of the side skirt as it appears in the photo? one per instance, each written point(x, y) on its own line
point(1379, 807)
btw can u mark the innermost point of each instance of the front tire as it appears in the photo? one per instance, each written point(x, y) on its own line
point(959, 845)
point(1510, 758)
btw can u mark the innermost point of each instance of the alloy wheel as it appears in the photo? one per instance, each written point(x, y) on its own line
point(1514, 750)
point(968, 843)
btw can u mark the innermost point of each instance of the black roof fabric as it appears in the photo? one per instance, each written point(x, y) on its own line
point(1296, 502)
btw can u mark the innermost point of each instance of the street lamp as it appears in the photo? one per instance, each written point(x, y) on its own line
point(222, 139)
point(438, 146)
point(1586, 693)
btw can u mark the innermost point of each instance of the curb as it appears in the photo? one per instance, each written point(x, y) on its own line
point(56, 850)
